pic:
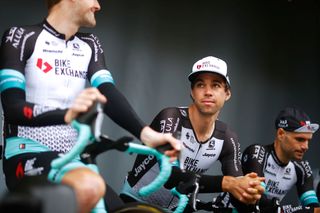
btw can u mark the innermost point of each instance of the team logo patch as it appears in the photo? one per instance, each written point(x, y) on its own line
point(76, 46)
point(288, 171)
point(187, 135)
point(211, 145)
point(44, 66)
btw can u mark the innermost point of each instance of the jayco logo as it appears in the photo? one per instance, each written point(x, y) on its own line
point(143, 165)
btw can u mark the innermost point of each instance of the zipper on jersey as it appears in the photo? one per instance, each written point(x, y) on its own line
point(199, 148)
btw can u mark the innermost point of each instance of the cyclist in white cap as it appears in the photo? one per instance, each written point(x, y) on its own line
point(204, 138)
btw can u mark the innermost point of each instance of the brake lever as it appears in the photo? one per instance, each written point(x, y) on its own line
point(194, 194)
point(94, 118)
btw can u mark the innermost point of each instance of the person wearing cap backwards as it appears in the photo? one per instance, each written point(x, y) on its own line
point(43, 73)
point(205, 140)
point(282, 164)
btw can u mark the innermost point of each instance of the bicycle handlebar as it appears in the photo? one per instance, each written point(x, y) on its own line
point(165, 167)
point(183, 200)
point(87, 135)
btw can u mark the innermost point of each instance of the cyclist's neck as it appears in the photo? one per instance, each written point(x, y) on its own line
point(202, 124)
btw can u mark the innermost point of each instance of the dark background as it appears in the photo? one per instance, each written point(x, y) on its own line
point(271, 47)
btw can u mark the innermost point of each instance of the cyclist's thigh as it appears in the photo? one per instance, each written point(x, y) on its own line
point(21, 167)
point(78, 174)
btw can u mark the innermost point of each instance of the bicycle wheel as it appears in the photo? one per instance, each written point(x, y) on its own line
point(138, 207)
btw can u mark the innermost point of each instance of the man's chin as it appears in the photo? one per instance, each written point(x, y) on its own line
point(299, 157)
point(90, 25)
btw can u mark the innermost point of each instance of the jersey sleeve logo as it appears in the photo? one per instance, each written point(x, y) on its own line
point(15, 36)
point(27, 112)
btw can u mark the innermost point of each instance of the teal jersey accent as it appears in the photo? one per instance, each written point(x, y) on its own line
point(10, 78)
point(309, 197)
point(17, 145)
point(100, 77)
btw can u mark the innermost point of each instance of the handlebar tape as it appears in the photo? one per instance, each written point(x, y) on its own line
point(165, 167)
point(83, 137)
point(183, 200)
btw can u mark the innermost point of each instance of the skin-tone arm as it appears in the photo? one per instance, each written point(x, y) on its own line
point(247, 188)
point(153, 139)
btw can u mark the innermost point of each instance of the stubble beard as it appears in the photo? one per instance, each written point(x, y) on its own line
point(206, 111)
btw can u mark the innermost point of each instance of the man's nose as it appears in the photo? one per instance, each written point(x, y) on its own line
point(305, 145)
point(97, 5)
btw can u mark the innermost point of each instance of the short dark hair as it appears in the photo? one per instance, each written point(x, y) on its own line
point(51, 3)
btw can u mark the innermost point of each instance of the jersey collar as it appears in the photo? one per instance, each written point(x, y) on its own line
point(53, 31)
point(275, 157)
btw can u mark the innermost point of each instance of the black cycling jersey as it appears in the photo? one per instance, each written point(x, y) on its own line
point(197, 156)
point(280, 178)
point(41, 74)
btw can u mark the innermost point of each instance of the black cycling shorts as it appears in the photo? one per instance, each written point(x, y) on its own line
point(18, 167)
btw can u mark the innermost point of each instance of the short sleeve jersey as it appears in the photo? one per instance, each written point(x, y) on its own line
point(51, 71)
point(280, 178)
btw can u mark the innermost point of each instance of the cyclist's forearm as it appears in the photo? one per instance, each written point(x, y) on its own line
point(120, 111)
point(18, 111)
point(211, 184)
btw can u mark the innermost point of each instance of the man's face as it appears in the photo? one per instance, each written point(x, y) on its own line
point(294, 145)
point(209, 93)
point(86, 12)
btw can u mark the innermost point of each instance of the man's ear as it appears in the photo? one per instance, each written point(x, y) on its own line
point(281, 133)
point(228, 94)
point(191, 96)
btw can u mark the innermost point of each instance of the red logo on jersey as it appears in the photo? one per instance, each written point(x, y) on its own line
point(22, 146)
point(44, 66)
point(27, 112)
point(303, 123)
point(19, 171)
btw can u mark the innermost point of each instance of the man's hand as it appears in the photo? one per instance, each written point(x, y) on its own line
point(154, 139)
point(246, 189)
point(83, 102)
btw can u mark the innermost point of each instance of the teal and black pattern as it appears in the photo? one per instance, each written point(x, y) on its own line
point(309, 197)
point(10, 78)
point(100, 77)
